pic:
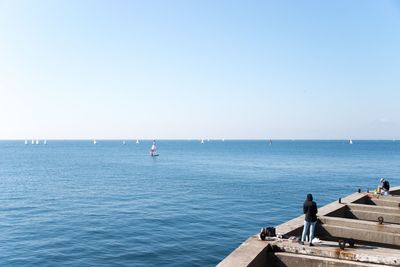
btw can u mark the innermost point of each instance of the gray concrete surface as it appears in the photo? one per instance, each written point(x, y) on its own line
point(283, 259)
point(361, 224)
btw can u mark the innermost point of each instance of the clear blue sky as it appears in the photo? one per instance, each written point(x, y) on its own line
point(200, 69)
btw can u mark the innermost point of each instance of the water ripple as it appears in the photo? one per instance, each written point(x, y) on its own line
point(76, 204)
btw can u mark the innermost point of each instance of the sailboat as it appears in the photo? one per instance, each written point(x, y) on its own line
point(350, 142)
point(32, 142)
point(153, 149)
point(94, 142)
point(45, 142)
point(26, 142)
point(123, 142)
point(202, 141)
point(37, 142)
point(137, 141)
point(270, 141)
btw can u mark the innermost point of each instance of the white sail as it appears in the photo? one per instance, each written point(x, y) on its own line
point(350, 142)
point(94, 142)
point(123, 142)
point(153, 149)
point(32, 142)
point(26, 142)
point(45, 142)
point(37, 142)
point(137, 141)
point(202, 141)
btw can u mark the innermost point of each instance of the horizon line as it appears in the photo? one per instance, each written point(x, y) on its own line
point(205, 139)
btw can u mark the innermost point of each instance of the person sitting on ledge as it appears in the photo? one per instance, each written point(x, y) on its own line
point(310, 210)
point(384, 189)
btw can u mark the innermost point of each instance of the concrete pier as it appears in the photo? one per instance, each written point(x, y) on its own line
point(372, 221)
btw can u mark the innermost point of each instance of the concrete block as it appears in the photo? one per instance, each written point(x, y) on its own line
point(360, 224)
point(362, 235)
point(284, 259)
point(373, 216)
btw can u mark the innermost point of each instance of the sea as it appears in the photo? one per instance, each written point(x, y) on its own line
point(75, 203)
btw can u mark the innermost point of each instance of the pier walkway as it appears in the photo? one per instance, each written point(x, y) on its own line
point(372, 221)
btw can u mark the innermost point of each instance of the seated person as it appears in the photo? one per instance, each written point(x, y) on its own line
point(384, 189)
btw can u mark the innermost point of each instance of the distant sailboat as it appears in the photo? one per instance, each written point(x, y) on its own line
point(137, 141)
point(202, 141)
point(26, 142)
point(223, 139)
point(32, 142)
point(45, 142)
point(270, 141)
point(153, 149)
point(94, 142)
point(123, 142)
point(350, 142)
point(37, 142)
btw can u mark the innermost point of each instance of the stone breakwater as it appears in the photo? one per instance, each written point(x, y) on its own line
point(362, 229)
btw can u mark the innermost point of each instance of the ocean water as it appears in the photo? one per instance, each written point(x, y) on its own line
point(72, 203)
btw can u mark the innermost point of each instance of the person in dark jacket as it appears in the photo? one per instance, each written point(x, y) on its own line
point(384, 189)
point(310, 210)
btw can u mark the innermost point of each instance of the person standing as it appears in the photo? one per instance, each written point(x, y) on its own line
point(310, 210)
